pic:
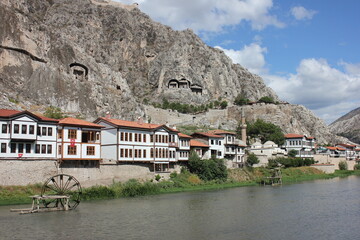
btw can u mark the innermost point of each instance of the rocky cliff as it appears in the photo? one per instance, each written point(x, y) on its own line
point(348, 126)
point(89, 57)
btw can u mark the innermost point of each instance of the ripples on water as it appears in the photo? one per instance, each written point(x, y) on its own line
point(322, 209)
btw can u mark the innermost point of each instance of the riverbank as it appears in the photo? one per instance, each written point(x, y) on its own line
point(183, 182)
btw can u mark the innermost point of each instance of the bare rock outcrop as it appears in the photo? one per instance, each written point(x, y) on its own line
point(348, 126)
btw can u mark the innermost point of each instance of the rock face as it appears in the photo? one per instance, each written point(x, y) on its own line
point(348, 126)
point(89, 57)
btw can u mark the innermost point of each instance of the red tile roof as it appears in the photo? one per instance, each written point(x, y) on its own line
point(183, 135)
point(133, 124)
point(336, 148)
point(78, 122)
point(194, 143)
point(206, 134)
point(220, 132)
point(293, 135)
point(8, 112)
point(346, 145)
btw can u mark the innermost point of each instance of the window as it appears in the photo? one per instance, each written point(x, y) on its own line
point(219, 153)
point(23, 129)
point(151, 138)
point(39, 131)
point(3, 147)
point(151, 152)
point(126, 136)
point(13, 148)
point(50, 131)
point(212, 141)
point(121, 152)
point(59, 149)
point(31, 129)
point(28, 148)
point(136, 153)
point(21, 148)
point(16, 128)
point(4, 128)
point(156, 138)
point(121, 136)
point(37, 148)
point(130, 152)
point(144, 138)
point(90, 150)
point(49, 149)
point(71, 150)
point(144, 153)
point(126, 153)
point(97, 136)
point(60, 133)
point(72, 134)
point(219, 142)
point(43, 148)
point(135, 137)
point(130, 137)
point(43, 131)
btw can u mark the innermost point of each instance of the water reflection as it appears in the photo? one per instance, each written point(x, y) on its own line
point(325, 209)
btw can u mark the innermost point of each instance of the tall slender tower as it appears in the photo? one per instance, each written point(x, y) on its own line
point(243, 126)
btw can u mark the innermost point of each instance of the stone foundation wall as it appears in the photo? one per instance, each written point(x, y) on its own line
point(30, 172)
point(326, 159)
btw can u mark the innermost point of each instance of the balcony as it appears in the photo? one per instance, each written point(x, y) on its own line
point(173, 144)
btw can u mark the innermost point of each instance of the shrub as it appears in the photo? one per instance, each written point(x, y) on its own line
point(54, 112)
point(357, 167)
point(267, 99)
point(173, 174)
point(343, 165)
point(157, 177)
point(292, 153)
point(290, 162)
point(133, 188)
point(207, 169)
point(241, 100)
point(223, 104)
point(265, 131)
point(252, 159)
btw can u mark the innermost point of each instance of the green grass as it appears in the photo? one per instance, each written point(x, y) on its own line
point(184, 182)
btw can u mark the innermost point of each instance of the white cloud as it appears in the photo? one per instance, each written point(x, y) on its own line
point(250, 56)
point(301, 13)
point(320, 87)
point(209, 15)
point(351, 68)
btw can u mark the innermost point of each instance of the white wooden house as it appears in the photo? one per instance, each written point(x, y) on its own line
point(138, 142)
point(26, 136)
point(305, 146)
point(200, 148)
point(215, 142)
point(184, 147)
point(78, 143)
point(350, 152)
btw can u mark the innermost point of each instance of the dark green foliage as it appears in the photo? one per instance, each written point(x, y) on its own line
point(207, 169)
point(134, 188)
point(357, 167)
point(252, 159)
point(223, 104)
point(266, 99)
point(241, 100)
point(343, 165)
point(98, 192)
point(290, 162)
point(157, 177)
point(292, 153)
point(54, 112)
point(265, 131)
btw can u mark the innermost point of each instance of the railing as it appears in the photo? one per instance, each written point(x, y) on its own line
point(173, 144)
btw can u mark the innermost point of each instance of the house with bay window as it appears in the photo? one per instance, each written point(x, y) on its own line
point(305, 146)
point(78, 143)
point(26, 136)
point(215, 142)
point(139, 142)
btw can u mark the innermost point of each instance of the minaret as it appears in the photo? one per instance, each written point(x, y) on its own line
point(243, 126)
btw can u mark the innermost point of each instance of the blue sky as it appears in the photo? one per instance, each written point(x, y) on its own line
point(308, 51)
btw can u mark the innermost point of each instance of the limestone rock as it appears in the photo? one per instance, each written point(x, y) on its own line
point(348, 125)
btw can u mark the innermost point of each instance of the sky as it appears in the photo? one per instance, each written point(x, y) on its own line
point(308, 51)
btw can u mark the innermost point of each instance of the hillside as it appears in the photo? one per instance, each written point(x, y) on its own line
point(348, 126)
point(89, 57)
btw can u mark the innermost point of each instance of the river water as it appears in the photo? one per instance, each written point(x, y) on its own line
point(321, 209)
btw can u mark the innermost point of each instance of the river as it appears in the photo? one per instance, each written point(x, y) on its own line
point(321, 209)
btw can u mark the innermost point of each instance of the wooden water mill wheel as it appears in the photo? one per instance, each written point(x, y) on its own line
point(65, 185)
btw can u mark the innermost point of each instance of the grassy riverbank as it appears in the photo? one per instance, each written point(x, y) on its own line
point(178, 183)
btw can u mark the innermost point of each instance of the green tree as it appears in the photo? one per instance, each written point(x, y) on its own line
point(265, 131)
point(252, 159)
point(241, 100)
point(292, 153)
point(267, 99)
point(207, 169)
point(54, 112)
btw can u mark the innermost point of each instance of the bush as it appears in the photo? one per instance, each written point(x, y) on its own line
point(265, 131)
point(223, 104)
point(241, 100)
point(133, 188)
point(267, 99)
point(290, 162)
point(157, 177)
point(357, 167)
point(54, 112)
point(292, 153)
point(343, 165)
point(207, 169)
point(252, 159)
